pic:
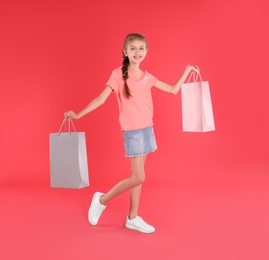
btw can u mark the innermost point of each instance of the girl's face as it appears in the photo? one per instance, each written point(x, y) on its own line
point(136, 51)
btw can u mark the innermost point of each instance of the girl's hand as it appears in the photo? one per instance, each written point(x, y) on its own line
point(190, 68)
point(71, 114)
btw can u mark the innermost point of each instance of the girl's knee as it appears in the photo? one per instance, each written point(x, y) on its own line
point(137, 169)
point(141, 179)
point(137, 180)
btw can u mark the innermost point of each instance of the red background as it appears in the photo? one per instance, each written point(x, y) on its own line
point(57, 55)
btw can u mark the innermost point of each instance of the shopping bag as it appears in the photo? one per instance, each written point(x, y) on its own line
point(197, 112)
point(68, 159)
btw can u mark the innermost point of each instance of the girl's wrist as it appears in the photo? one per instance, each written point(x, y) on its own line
point(78, 116)
point(189, 69)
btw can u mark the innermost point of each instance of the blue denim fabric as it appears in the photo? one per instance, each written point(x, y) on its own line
point(139, 142)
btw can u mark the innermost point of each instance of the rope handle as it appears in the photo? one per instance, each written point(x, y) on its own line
point(195, 76)
point(70, 121)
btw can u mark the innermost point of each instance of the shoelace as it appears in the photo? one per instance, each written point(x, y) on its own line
point(141, 222)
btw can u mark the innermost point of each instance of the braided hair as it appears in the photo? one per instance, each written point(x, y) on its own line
point(125, 63)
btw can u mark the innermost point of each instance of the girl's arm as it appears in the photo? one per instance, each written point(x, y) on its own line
point(95, 103)
point(176, 87)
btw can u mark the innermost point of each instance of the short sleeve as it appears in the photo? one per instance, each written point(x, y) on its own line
point(151, 79)
point(112, 82)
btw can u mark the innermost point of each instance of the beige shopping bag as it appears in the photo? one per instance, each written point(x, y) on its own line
point(68, 159)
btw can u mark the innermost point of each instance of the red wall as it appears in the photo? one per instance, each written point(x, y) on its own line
point(57, 55)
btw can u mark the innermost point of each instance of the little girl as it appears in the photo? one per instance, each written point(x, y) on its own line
point(132, 87)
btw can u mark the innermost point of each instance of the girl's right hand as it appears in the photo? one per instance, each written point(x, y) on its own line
point(71, 114)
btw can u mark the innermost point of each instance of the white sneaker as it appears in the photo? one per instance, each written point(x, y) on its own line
point(96, 209)
point(139, 224)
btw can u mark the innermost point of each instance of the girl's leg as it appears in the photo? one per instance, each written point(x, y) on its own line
point(134, 183)
point(137, 178)
point(133, 221)
point(135, 193)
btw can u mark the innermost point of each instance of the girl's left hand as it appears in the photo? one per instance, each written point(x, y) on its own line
point(193, 68)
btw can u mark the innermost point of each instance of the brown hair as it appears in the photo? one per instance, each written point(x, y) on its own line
point(125, 63)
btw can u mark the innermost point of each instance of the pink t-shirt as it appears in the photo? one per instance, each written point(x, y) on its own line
point(137, 111)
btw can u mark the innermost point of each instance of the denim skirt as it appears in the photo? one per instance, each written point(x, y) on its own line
point(139, 142)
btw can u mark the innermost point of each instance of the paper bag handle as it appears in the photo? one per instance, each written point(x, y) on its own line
point(64, 123)
point(195, 76)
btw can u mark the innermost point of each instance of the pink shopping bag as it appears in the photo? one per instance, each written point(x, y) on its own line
point(197, 112)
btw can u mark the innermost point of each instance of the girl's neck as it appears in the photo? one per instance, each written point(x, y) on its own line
point(133, 67)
